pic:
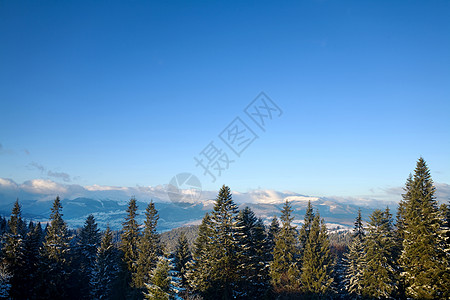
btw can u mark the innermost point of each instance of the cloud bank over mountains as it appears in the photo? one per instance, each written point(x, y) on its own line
point(47, 190)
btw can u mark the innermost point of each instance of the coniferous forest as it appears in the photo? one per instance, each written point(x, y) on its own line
point(235, 255)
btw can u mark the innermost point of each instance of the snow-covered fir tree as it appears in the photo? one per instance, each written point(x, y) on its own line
point(106, 268)
point(425, 266)
point(380, 276)
point(317, 267)
point(86, 253)
point(129, 250)
point(354, 260)
point(284, 269)
point(56, 256)
point(148, 248)
point(160, 284)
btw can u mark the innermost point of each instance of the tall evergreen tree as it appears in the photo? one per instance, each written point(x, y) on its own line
point(318, 264)
point(56, 256)
point(106, 268)
point(31, 267)
point(253, 267)
point(306, 227)
point(160, 287)
point(199, 268)
point(182, 257)
point(355, 262)
point(274, 228)
point(148, 248)
point(129, 248)
point(87, 245)
point(213, 271)
point(380, 273)
point(13, 251)
point(284, 269)
point(425, 267)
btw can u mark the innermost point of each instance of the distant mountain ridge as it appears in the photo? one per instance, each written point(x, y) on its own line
point(173, 215)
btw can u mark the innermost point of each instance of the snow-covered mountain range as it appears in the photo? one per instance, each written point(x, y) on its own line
point(108, 204)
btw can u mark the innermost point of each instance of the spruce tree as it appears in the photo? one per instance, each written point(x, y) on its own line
point(148, 248)
point(306, 228)
point(224, 250)
point(31, 267)
point(354, 258)
point(88, 242)
point(253, 267)
point(318, 264)
point(182, 257)
point(215, 258)
point(106, 268)
point(160, 287)
point(274, 228)
point(380, 276)
point(425, 267)
point(13, 252)
point(284, 269)
point(198, 269)
point(129, 247)
point(56, 256)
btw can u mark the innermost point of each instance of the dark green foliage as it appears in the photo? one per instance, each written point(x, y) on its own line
point(216, 259)
point(425, 266)
point(274, 228)
point(284, 269)
point(199, 267)
point(355, 260)
point(253, 255)
point(106, 268)
point(13, 251)
point(380, 276)
point(56, 256)
point(129, 246)
point(86, 254)
point(32, 259)
point(148, 248)
point(317, 265)
point(306, 227)
point(182, 257)
point(159, 287)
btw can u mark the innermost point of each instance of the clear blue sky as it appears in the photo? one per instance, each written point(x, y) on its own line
point(127, 92)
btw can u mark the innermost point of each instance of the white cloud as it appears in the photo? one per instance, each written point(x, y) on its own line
point(43, 187)
point(7, 184)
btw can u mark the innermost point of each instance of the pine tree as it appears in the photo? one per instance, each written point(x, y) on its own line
point(159, 287)
point(252, 249)
point(318, 264)
point(88, 242)
point(223, 274)
point(274, 228)
point(13, 251)
point(354, 258)
point(182, 257)
point(425, 266)
point(148, 248)
point(106, 268)
point(198, 269)
point(380, 272)
point(306, 228)
point(215, 258)
point(31, 267)
point(129, 247)
point(56, 255)
point(284, 269)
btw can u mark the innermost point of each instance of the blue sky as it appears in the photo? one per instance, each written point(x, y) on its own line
point(126, 93)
